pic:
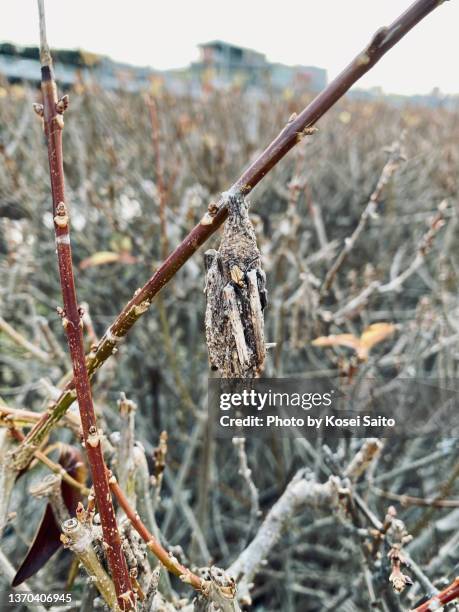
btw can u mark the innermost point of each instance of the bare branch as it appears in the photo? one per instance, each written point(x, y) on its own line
point(300, 492)
point(71, 315)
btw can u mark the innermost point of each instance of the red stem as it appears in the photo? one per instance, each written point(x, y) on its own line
point(169, 562)
point(438, 601)
point(71, 318)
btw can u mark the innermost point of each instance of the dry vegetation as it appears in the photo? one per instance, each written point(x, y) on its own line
point(344, 518)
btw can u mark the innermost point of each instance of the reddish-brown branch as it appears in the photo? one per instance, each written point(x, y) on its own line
point(292, 133)
point(435, 603)
point(71, 318)
point(169, 562)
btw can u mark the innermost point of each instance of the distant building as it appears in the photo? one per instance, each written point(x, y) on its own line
point(230, 57)
point(224, 64)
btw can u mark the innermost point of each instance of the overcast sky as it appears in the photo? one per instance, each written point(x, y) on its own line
point(325, 33)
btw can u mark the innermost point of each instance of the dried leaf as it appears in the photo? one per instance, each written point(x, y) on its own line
point(107, 257)
point(371, 336)
point(376, 333)
point(45, 543)
point(47, 537)
point(348, 340)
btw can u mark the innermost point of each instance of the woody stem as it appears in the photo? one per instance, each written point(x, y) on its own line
point(71, 318)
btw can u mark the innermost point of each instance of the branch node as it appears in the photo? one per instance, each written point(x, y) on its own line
point(94, 436)
point(39, 109)
point(141, 308)
point(62, 105)
point(61, 218)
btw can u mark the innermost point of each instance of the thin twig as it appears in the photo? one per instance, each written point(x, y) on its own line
point(393, 163)
point(300, 492)
point(409, 500)
point(125, 457)
point(246, 474)
point(396, 284)
point(23, 342)
point(155, 134)
point(18, 417)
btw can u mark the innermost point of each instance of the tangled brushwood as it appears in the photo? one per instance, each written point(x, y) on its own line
point(114, 493)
